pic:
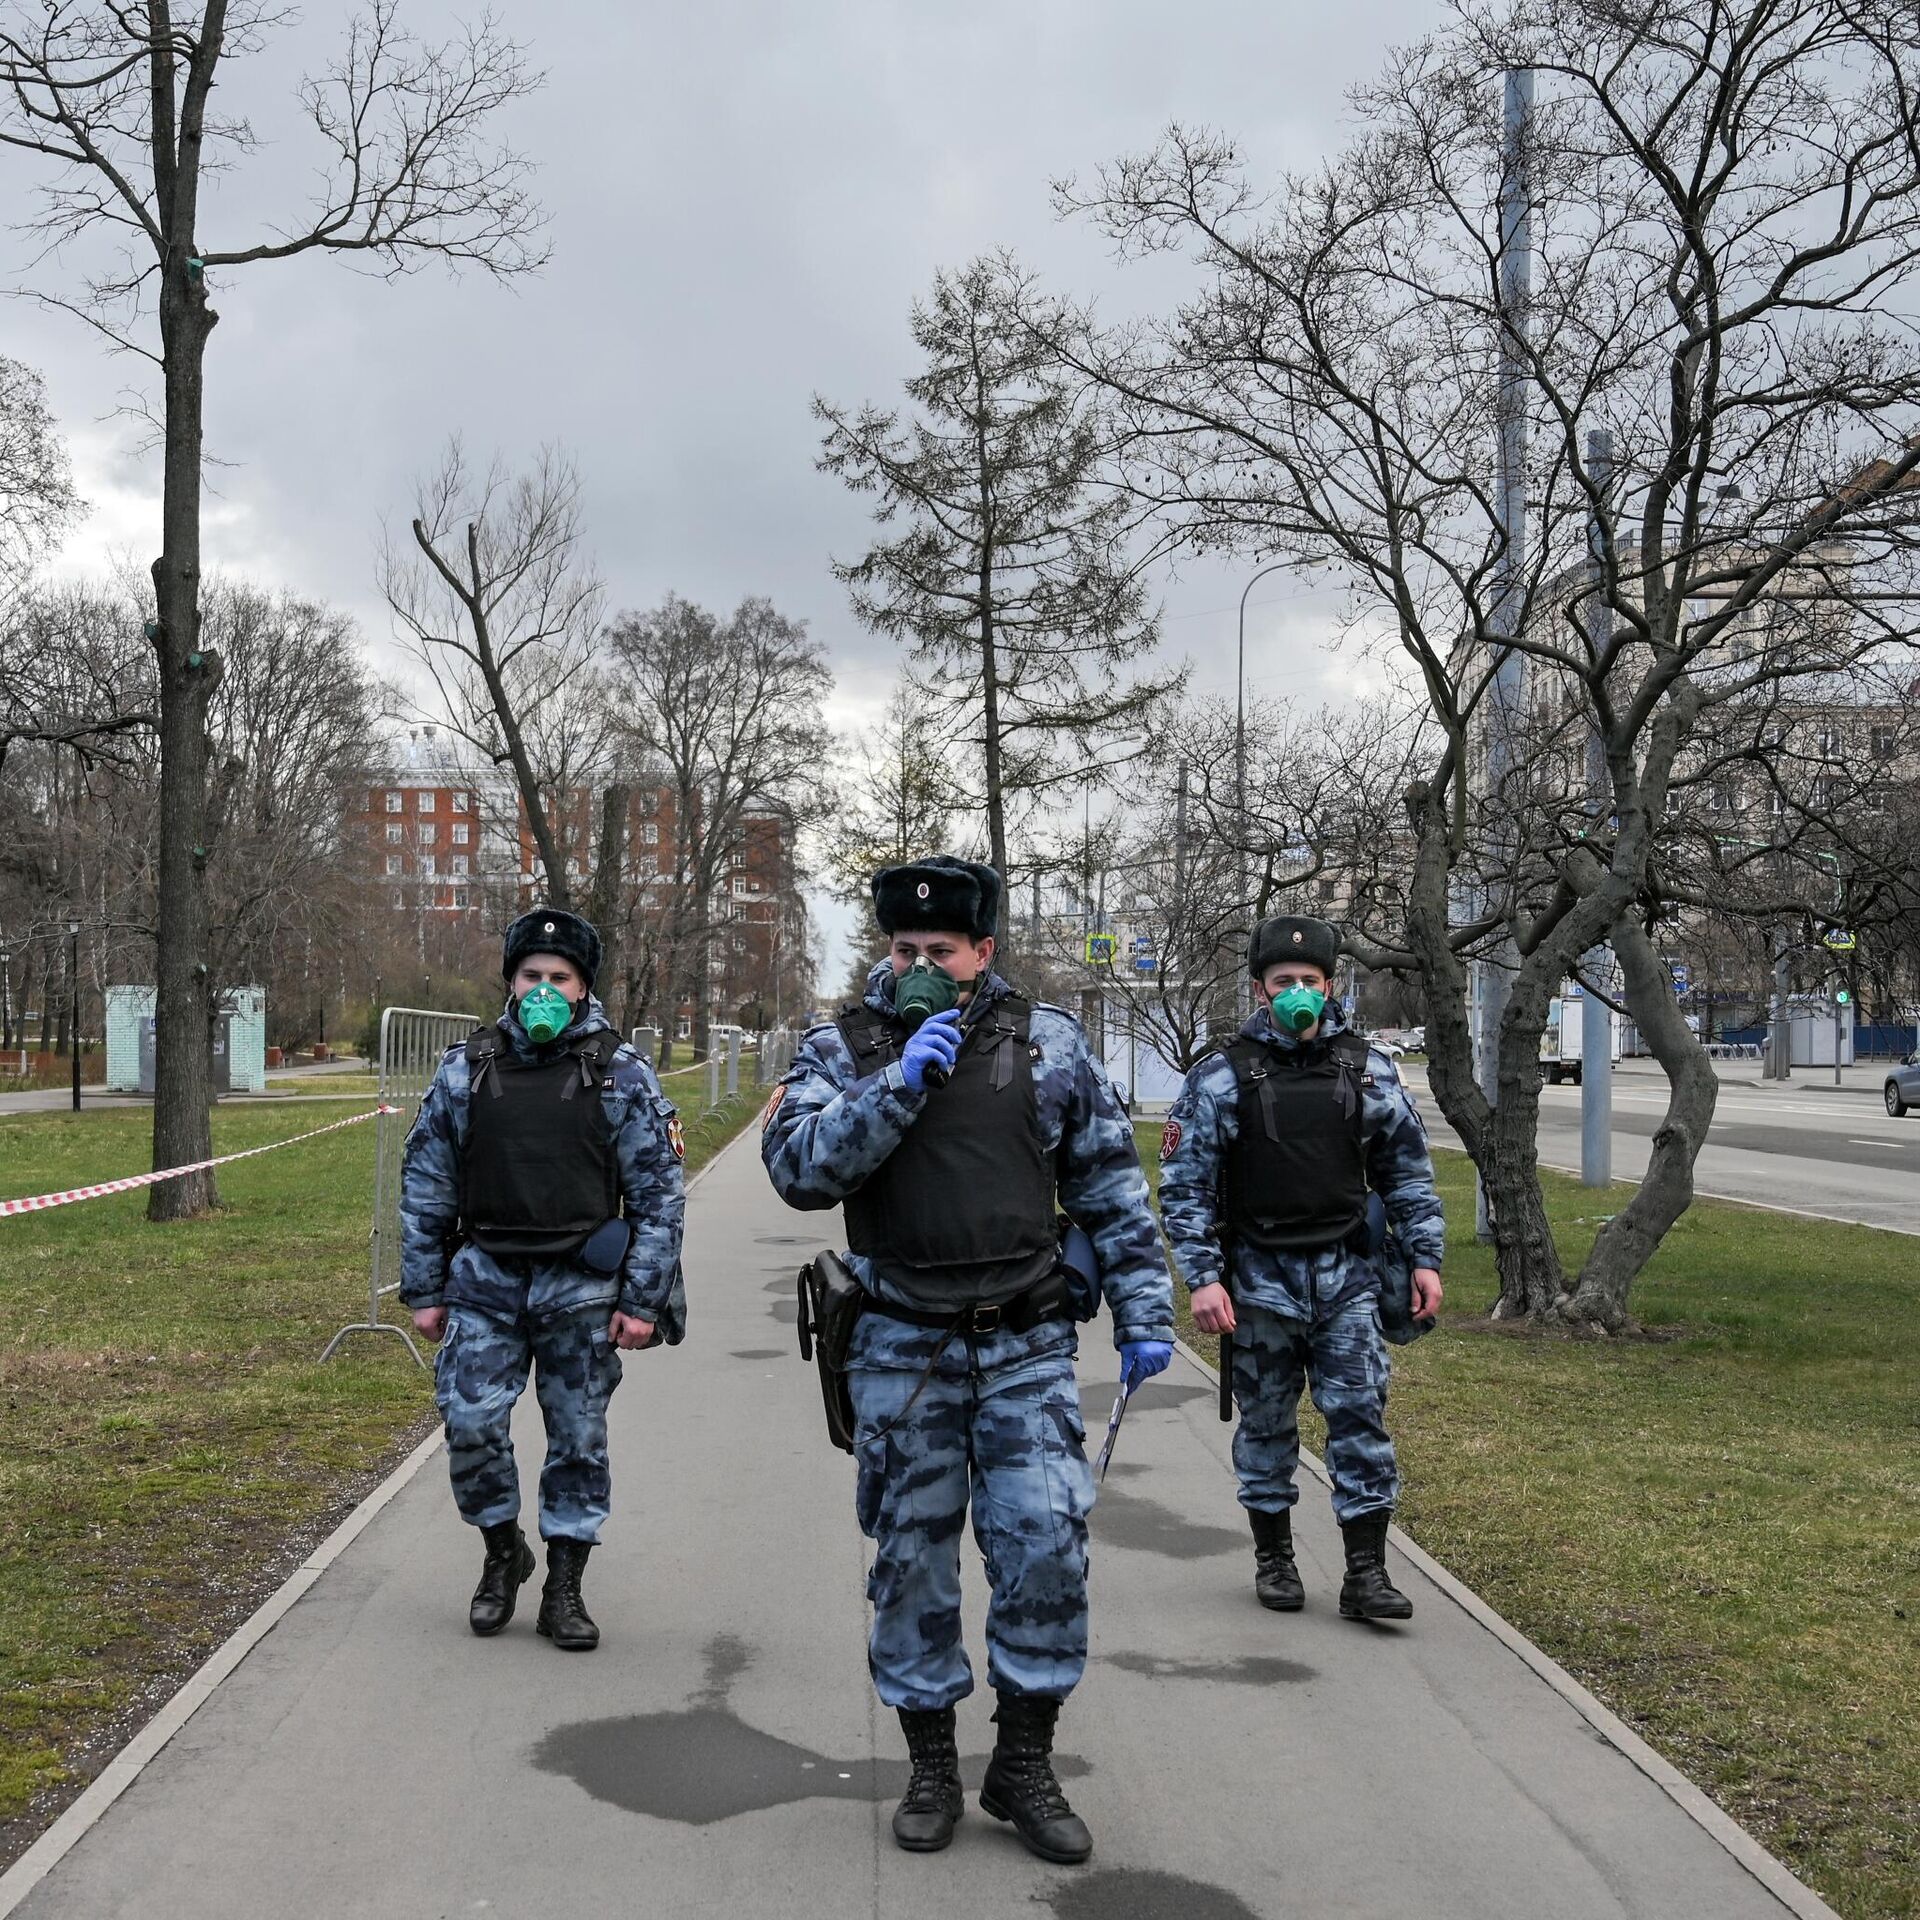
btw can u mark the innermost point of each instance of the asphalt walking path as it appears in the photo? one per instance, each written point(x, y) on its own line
point(723, 1752)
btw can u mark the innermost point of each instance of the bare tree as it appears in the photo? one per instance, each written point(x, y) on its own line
point(728, 711)
point(500, 606)
point(896, 801)
point(115, 102)
point(1723, 208)
point(1010, 574)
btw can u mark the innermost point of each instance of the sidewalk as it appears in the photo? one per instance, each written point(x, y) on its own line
point(723, 1753)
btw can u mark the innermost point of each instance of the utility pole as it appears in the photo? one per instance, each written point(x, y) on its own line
point(1596, 1017)
point(73, 1004)
point(1516, 277)
point(1177, 921)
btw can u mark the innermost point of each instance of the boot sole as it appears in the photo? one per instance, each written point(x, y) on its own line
point(1281, 1606)
point(928, 1846)
point(1394, 1613)
point(1059, 1856)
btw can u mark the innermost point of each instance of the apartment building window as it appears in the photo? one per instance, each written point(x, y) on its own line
point(393, 863)
point(459, 896)
point(462, 803)
point(399, 898)
point(1883, 743)
point(460, 863)
point(1829, 743)
point(395, 801)
point(460, 833)
point(651, 834)
point(426, 864)
point(1876, 801)
point(396, 833)
point(426, 803)
point(426, 833)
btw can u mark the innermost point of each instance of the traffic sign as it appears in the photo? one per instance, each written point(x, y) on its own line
point(1101, 948)
point(1838, 940)
point(1144, 963)
point(1682, 977)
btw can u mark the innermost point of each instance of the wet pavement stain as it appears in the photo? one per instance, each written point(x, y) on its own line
point(786, 1311)
point(759, 1353)
point(1123, 1519)
point(704, 1764)
point(1123, 1893)
point(786, 1240)
point(1155, 1396)
point(1256, 1670)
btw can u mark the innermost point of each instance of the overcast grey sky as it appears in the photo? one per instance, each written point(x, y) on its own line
point(745, 199)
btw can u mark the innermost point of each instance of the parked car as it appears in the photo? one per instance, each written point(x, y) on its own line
point(1903, 1085)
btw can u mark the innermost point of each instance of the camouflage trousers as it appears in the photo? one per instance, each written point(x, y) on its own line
point(479, 1375)
point(1343, 1357)
point(996, 1426)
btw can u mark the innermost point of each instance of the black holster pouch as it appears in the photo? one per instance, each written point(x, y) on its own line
point(831, 1303)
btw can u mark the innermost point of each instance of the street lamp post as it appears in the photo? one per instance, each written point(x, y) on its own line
point(1245, 1001)
point(73, 1004)
point(6, 990)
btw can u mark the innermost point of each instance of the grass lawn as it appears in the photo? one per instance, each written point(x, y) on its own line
point(1717, 1530)
point(169, 1447)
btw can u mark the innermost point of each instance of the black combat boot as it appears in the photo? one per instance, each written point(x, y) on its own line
point(563, 1615)
point(1276, 1580)
point(508, 1568)
point(1020, 1785)
point(1366, 1593)
point(923, 1821)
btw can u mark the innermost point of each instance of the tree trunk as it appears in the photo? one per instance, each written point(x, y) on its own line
point(1532, 1278)
point(603, 905)
point(183, 1007)
point(1598, 1302)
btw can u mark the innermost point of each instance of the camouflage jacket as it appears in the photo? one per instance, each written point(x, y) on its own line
point(435, 1268)
point(1206, 1117)
point(825, 1131)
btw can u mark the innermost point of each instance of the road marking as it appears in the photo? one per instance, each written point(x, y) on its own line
point(1890, 1146)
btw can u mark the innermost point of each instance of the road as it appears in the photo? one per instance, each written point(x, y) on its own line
point(723, 1753)
point(1807, 1146)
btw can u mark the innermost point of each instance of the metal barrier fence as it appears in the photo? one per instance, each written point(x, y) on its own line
point(776, 1054)
point(412, 1039)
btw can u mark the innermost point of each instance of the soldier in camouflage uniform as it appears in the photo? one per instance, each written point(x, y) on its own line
point(1265, 1167)
point(540, 1219)
point(949, 1116)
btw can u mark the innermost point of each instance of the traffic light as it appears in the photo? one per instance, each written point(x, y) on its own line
point(1842, 998)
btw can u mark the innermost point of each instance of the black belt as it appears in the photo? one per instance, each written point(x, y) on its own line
point(1025, 1311)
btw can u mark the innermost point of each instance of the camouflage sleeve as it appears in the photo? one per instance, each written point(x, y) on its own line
point(1399, 1166)
point(430, 1186)
point(824, 1132)
point(650, 1183)
point(1197, 1129)
point(1105, 1194)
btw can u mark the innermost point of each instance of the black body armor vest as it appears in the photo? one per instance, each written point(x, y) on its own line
point(540, 1171)
point(962, 1211)
point(1295, 1178)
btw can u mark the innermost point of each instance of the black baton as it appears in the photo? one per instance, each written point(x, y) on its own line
point(1226, 1377)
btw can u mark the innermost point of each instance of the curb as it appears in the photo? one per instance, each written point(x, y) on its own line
point(1792, 1893)
point(126, 1766)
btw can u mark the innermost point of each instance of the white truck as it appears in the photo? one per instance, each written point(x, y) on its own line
point(1562, 1041)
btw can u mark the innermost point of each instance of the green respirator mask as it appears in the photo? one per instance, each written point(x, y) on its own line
point(544, 1013)
point(1297, 1008)
point(922, 991)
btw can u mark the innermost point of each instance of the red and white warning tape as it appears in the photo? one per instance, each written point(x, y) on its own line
point(41, 1201)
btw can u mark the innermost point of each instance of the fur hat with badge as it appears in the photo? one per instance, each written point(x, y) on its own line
point(552, 930)
point(1293, 936)
point(938, 895)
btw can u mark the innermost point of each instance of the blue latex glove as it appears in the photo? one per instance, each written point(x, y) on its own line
point(1142, 1359)
point(935, 1043)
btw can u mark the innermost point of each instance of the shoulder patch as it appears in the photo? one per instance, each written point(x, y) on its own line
point(676, 1136)
point(773, 1106)
point(1169, 1140)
